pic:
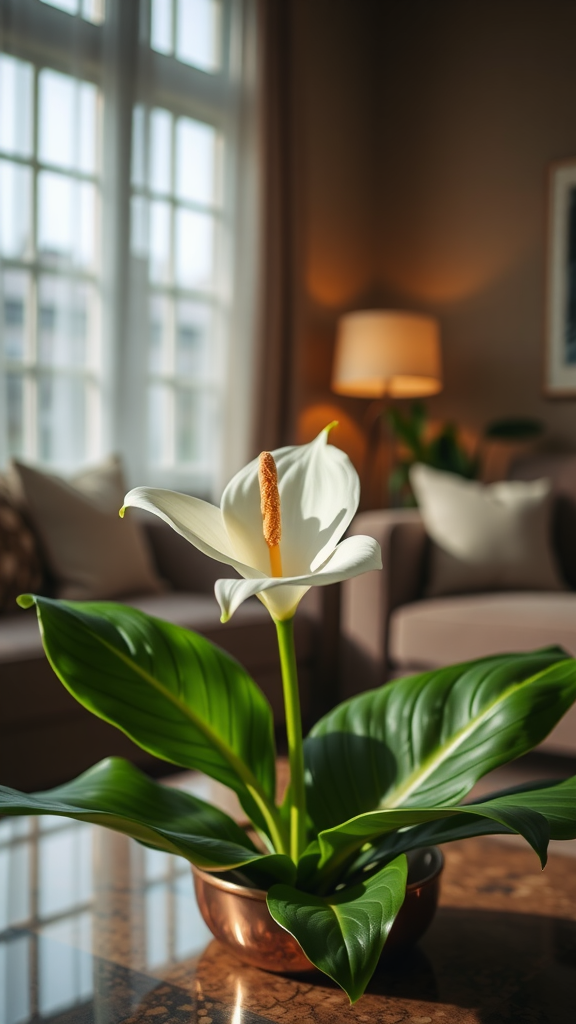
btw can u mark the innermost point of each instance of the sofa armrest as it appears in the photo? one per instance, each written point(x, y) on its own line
point(368, 600)
point(179, 562)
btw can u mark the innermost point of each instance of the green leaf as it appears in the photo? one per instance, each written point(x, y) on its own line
point(555, 802)
point(115, 794)
point(338, 844)
point(343, 934)
point(171, 691)
point(425, 741)
point(520, 428)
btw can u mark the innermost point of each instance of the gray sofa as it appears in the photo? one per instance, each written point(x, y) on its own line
point(389, 628)
point(46, 737)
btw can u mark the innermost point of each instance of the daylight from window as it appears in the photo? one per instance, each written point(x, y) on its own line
point(49, 195)
point(63, 370)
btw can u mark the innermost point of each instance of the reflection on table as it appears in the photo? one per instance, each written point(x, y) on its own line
point(62, 884)
point(95, 929)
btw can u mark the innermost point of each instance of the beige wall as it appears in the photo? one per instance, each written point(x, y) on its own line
point(423, 132)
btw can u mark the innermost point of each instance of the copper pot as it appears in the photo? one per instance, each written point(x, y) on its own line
point(239, 917)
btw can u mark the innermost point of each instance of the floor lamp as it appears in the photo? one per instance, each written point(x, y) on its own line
point(383, 354)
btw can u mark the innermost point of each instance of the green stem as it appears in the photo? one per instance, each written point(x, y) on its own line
point(285, 631)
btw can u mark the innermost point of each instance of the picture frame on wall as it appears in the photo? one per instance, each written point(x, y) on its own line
point(560, 349)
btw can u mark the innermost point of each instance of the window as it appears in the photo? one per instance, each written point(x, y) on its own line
point(117, 275)
point(178, 229)
point(50, 205)
point(190, 30)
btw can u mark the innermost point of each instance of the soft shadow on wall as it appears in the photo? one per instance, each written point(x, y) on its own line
point(425, 133)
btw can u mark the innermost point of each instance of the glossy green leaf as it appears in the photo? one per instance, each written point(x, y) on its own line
point(424, 741)
point(343, 934)
point(117, 795)
point(338, 844)
point(171, 691)
point(554, 801)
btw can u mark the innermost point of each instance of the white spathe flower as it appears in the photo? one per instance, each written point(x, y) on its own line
point(319, 492)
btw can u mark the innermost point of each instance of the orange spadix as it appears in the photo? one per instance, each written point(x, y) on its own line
point(270, 508)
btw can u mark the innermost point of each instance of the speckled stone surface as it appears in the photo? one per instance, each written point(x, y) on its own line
point(502, 949)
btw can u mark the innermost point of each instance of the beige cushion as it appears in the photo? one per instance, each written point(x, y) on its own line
point(446, 630)
point(90, 551)
point(494, 537)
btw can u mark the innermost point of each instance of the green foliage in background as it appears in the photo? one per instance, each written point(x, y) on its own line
point(445, 450)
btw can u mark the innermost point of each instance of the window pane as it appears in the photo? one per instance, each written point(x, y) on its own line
point(15, 287)
point(194, 249)
point(160, 151)
point(65, 322)
point(188, 439)
point(159, 355)
point(156, 902)
point(194, 432)
point(194, 324)
point(66, 219)
point(87, 115)
point(16, 83)
point(61, 420)
point(94, 11)
point(91, 10)
point(156, 865)
point(15, 984)
point(67, 121)
point(62, 880)
point(14, 828)
point(139, 226)
point(139, 146)
point(47, 823)
point(70, 6)
point(64, 969)
point(15, 402)
point(196, 161)
point(14, 884)
point(191, 934)
point(161, 27)
point(159, 241)
point(160, 408)
point(198, 33)
point(15, 206)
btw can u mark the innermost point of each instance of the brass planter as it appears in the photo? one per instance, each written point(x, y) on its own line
point(239, 917)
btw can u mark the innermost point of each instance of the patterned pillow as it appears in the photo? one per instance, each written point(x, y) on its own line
point(20, 566)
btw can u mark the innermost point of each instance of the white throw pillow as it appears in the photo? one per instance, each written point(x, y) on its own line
point(91, 552)
point(486, 537)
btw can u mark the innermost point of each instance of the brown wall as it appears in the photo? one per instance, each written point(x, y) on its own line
point(336, 49)
point(423, 132)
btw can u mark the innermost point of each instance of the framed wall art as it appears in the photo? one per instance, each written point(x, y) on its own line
point(560, 350)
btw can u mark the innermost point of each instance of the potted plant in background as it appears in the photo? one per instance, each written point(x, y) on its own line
point(379, 776)
point(447, 449)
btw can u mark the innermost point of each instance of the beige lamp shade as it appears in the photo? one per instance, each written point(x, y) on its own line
point(386, 352)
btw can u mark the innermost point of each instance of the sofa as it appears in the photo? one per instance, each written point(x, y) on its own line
point(390, 628)
point(46, 737)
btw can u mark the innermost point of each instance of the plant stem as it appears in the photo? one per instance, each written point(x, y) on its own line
point(285, 631)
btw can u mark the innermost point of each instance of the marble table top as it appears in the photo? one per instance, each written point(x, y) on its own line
point(95, 929)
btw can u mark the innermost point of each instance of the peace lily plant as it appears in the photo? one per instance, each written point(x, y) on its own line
point(382, 774)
